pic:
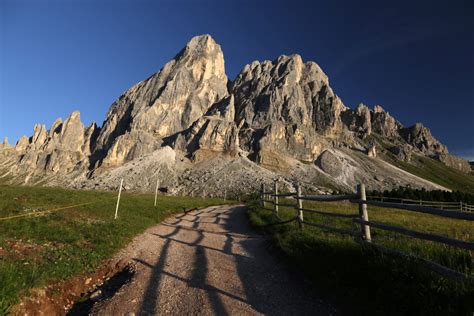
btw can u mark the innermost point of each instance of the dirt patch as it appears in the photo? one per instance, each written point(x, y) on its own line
point(21, 250)
point(102, 292)
point(59, 297)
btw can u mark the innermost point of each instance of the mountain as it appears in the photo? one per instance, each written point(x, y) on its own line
point(196, 131)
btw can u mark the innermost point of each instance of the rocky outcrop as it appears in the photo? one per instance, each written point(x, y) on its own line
point(358, 120)
point(21, 144)
point(384, 124)
point(402, 152)
point(213, 134)
point(5, 144)
point(64, 148)
point(278, 118)
point(287, 107)
point(455, 162)
point(168, 102)
point(420, 137)
point(372, 151)
point(288, 91)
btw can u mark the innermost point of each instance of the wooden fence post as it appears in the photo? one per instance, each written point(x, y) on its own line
point(156, 190)
point(262, 196)
point(299, 207)
point(275, 200)
point(363, 214)
point(118, 199)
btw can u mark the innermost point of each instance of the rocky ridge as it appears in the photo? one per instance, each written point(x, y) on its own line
point(195, 130)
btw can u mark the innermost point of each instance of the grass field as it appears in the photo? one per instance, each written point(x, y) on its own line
point(37, 250)
point(431, 170)
point(363, 281)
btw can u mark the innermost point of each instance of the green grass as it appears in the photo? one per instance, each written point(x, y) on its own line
point(364, 281)
point(437, 172)
point(70, 241)
point(431, 170)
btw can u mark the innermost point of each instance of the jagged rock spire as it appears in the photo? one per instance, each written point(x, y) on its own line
point(168, 102)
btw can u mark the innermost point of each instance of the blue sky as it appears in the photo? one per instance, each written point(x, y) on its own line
point(416, 60)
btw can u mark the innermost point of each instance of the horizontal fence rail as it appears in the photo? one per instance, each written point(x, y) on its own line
point(436, 208)
point(284, 194)
point(328, 198)
point(421, 209)
point(445, 240)
point(462, 206)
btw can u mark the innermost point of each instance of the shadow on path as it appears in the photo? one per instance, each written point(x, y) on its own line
point(267, 287)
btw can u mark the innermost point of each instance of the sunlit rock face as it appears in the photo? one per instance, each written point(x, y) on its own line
point(64, 148)
point(168, 102)
point(277, 118)
point(286, 106)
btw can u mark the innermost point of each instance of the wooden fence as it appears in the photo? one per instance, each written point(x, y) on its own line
point(362, 218)
point(462, 206)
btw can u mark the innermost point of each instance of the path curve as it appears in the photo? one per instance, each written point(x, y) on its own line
point(209, 262)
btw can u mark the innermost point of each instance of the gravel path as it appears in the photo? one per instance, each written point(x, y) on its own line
point(209, 262)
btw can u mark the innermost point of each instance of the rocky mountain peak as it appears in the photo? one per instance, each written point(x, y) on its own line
point(202, 44)
point(167, 103)
point(39, 136)
point(55, 127)
point(420, 137)
point(204, 56)
point(72, 132)
point(385, 124)
point(280, 117)
point(5, 144)
point(286, 90)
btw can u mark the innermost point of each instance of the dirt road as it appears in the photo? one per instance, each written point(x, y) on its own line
point(209, 262)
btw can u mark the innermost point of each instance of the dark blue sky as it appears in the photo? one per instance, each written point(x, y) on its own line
point(415, 58)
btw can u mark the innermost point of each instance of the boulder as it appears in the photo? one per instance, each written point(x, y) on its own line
point(330, 163)
point(371, 151)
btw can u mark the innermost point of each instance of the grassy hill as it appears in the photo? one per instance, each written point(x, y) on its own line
point(364, 282)
point(37, 250)
point(429, 169)
point(436, 172)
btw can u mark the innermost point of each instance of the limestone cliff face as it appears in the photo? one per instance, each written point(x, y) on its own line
point(274, 114)
point(168, 102)
point(284, 105)
point(213, 134)
point(288, 91)
point(62, 149)
point(420, 137)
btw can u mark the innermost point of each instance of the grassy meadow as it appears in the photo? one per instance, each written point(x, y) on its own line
point(364, 281)
point(37, 250)
point(429, 169)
